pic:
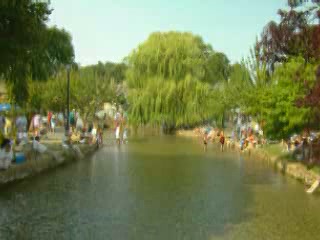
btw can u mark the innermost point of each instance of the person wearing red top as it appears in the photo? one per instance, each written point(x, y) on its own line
point(49, 116)
point(222, 139)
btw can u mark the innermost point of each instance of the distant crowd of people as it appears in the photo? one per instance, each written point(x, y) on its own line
point(8, 136)
point(211, 135)
point(248, 138)
point(35, 126)
point(305, 146)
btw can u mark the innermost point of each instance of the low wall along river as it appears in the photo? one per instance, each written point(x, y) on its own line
point(40, 162)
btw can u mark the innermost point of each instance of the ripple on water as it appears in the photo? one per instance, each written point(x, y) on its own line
point(160, 188)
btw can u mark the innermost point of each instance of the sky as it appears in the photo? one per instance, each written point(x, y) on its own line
point(108, 30)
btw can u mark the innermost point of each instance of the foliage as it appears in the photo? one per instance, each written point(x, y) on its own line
point(240, 84)
point(168, 78)
point(312, 99)
point(22, 25)
point(297, 3)
point(174, 104)
point(257, 66)
point(170, 55)
point(108, 70)
point(88, 92)
point(294, 36)
point(275, 104)
point(28, 47)
point(217, 68)
point(55, 52)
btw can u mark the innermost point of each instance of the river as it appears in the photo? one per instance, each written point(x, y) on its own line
point(160, 188)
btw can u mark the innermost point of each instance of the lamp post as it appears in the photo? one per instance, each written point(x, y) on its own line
point(68, 100)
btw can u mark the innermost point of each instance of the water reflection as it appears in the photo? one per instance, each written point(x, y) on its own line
point(159, 188)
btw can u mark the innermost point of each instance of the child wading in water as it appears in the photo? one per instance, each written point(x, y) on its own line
point(222, 139)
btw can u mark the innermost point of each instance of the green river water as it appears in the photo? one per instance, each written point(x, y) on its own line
point(160, 187)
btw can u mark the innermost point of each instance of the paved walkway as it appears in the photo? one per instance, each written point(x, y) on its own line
point(53, 138)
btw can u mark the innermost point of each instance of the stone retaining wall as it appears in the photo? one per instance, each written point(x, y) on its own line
point(293, 169)
point(37, 163)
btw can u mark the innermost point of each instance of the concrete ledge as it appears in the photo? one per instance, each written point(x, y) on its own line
point(37, 163)
point(293, 169)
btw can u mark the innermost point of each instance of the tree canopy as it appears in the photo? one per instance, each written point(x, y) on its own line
point(276, 103)
point(294, 35)
point(55, 51)
point(108, 70)
point(89, 89)
point(168, 78)
point(29, 49)
point(170, 55)
point(296, 3)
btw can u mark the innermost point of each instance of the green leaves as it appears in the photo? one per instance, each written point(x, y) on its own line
point(170, 102)
point(168, 79)
point(88, 91)
point(54, 52)
point(276, 102)
point(170, 55)
point(30, 49)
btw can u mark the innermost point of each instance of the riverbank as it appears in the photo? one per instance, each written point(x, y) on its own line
point(188, 133)
point(284, 163)
point(37, 163)
point(273, 154)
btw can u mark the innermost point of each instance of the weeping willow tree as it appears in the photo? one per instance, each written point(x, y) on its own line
point(168, 81)
point(165, 101)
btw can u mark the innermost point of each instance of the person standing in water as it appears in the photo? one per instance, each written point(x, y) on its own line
point(205, 141)
point(222, 140)
point(125, 129)
point(118, 127)
point(53, 123)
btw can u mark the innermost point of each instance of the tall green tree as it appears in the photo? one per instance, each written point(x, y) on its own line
point(239, 85)
point(170, 55)
point(22, 26)
point(276, 103)
point(88, 92)
point(55, 52)
point(167, 80)
point(108, 70)
point(217, 68)
point(29, 49)
point(295, 35)
point(297, 3)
